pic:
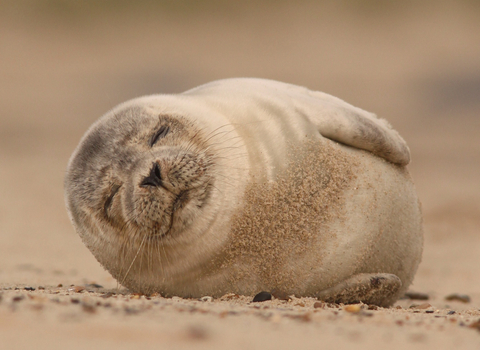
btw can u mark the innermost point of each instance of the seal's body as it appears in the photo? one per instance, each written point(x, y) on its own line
point(244, 185)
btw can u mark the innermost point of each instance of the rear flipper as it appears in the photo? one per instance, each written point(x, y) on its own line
point(369, 288)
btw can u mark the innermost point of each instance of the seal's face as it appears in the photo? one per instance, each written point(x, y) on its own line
point(139, 177)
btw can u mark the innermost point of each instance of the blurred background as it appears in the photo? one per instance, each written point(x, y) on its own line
point(64, 63)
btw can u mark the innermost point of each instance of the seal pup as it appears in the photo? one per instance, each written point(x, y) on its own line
point(243, 185)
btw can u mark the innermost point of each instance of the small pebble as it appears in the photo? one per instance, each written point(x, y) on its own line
point(206, 299)
point(451, 312)
point(262, 296)
point(355, 308)
point(29, 288)
point(300, 304)
point(375, 307)
point(59, 285)
point(429, 312)
point(18, 298)
point(319, 305)
point(417, 296)
point(93, 285)
point(421, 306)
point(76, 289)
point(458, 297)
point(475, 325)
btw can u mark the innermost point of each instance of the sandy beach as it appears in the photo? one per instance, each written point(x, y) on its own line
point(63, 65)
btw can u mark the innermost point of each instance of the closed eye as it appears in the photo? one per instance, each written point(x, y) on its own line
point(161, 133)
point(108, 202)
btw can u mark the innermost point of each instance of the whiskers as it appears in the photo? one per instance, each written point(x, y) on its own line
point(135, 258)
point(151, 248)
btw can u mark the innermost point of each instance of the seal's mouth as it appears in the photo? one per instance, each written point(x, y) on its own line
point(180, 201)
point(168, 194)
point(161, 213)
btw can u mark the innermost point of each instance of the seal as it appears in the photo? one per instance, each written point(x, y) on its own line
point(243, 185)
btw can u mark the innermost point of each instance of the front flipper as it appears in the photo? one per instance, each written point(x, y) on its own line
point(369, 288)
point(339, 121)
point(330, 116)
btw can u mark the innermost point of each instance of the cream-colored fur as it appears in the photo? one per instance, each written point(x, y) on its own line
point(280, 188)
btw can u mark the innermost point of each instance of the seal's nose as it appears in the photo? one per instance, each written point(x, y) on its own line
point(154, 179)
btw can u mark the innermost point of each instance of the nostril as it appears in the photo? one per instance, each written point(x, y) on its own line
point(156, 171)
point(153, 179)
point(148, 182)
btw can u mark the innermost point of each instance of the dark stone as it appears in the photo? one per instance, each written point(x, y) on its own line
point(458, 297)
point(262, 296)
point(475, 325)
point(417, 296)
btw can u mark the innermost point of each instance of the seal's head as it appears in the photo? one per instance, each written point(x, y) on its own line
point(139, 181)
